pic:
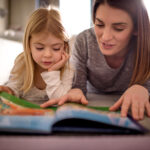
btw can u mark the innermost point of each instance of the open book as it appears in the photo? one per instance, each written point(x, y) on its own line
point(18, 115)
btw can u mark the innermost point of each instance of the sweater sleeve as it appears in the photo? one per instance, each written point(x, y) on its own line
point(147, 85)
point(79, 61)
point(57, 86)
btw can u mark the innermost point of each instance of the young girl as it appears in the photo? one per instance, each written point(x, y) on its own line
point(114, 57)
point(42, 71)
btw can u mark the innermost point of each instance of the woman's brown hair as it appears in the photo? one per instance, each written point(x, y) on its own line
point(139, 15)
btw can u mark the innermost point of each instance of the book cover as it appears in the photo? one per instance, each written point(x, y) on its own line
point(19, 115)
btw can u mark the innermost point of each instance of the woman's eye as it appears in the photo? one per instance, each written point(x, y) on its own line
point(99, 25)
point(119, 29)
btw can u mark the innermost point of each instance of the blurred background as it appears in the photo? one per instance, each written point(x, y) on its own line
point(76, 16)
point(14, 15)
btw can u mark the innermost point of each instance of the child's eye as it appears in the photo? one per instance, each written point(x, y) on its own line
point(39, 48)
point(56, 49)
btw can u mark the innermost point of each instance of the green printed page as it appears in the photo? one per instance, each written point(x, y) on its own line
point(19, 115)
point(22, 102)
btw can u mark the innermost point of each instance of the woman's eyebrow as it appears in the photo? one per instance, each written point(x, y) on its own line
point(98, 20)
point(120, 23)
point(117, 23)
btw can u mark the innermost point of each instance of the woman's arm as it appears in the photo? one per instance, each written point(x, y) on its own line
point(79, 60)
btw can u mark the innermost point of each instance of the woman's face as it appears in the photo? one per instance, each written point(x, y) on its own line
point(113, 28)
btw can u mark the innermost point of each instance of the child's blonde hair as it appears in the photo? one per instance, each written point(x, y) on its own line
point(42, 19)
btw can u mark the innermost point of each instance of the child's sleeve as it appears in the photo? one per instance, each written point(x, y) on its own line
point(14, 85)
point(57, 86)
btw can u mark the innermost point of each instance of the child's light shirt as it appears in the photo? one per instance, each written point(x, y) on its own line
point(56, 86)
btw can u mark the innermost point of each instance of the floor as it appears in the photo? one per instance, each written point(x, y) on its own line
point(8, 52)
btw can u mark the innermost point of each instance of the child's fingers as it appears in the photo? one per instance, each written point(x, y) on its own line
point(49, 103)
point(116, 105)
point(63, 99)
point(6, 89)
point(65, 56)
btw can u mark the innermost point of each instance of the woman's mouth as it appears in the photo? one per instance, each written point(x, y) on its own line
point(107, 46)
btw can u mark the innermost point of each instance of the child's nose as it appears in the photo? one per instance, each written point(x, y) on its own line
point(48, 53)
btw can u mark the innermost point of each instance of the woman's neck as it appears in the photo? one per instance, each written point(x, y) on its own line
point(114, 62)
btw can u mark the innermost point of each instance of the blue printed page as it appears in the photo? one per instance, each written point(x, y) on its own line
point(26, 124)
point(70, 111)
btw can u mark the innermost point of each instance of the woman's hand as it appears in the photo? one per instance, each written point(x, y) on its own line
point(60, 63)
point(74, 95)
point(6, 89)
point(137, 98)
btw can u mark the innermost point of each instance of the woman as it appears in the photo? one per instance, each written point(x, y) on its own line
point(114, 57)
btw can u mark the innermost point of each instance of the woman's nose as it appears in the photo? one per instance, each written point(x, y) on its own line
point(107, 35)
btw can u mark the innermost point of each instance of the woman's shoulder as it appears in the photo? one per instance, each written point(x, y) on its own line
point(88, 33)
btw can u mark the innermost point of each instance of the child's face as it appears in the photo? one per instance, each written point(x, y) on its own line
point(113, 28)
point(46, 49)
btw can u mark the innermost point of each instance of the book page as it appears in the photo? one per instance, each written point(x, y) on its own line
point(20, 118)
point(71, 110)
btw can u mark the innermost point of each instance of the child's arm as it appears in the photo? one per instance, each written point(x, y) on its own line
point(74, 95)
point(14, 85)
point(57, 86)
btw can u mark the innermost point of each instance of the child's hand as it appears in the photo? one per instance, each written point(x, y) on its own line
point(6, 89)
point(61, 63)
point(136, 97)
point(74, 95)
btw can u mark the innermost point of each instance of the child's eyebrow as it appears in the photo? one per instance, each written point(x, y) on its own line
point(38, 43)
point(55, 44)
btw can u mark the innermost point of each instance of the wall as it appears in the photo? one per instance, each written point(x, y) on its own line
point(3, 15)
point(19, 12)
